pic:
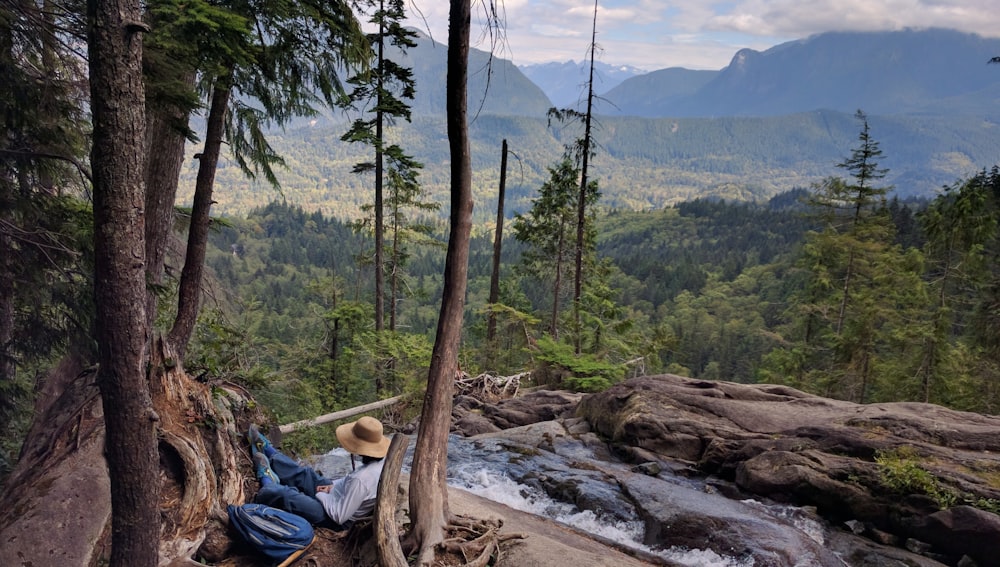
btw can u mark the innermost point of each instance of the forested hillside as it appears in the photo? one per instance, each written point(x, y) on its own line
point(707, 288)
point(641, 163)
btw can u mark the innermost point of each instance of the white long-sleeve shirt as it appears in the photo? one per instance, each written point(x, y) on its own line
point(353, 497)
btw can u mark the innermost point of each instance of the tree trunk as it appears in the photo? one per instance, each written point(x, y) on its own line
point(189, 295)
point(845, 299)
point(390, 552)
point(557, 284)
point(581, 206)
point(428, 490)
point(491, 324)
point(394, 272)
point(379, 213)
point(165, 156)
point(117, 106)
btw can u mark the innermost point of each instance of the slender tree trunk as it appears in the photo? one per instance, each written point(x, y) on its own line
point(866, 358)
point(334, 351)
point(557, 285)
point(491, 324)
point(845, 299)
point(117, 105)
point(394, 263)
point(581, 217)
point(428, 489)
point(49, 65)
point(165, 156)
point(189, 295)
point(380, 370)
point(379, 172)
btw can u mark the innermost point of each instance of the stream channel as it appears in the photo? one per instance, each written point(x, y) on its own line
point(575, 481)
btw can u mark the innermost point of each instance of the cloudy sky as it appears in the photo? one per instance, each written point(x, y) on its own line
point(696, 34)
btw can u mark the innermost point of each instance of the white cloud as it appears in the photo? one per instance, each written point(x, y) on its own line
point(696, 34)
point(801, 18)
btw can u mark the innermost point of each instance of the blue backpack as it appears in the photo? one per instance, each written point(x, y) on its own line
point(281, 536)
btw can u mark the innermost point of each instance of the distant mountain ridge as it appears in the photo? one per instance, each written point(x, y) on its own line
point(565, 83)
point(935, 71)
point(769, 122)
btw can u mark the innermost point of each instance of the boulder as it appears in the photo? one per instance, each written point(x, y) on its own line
point(688, 518)
point(783, 444)
point(532, 407)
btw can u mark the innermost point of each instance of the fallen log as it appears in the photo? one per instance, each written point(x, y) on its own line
point(342, 414)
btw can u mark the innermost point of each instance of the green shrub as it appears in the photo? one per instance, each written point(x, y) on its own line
point(900, 471)
point(579, 372)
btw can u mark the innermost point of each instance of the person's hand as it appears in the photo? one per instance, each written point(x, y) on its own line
point(324, 488)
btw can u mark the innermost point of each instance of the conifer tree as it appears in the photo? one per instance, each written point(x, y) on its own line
point(118, 109)
point(860, 288)
point(386, 87)
point(549, 228)
point(582, 149)
point(46, 237)
point(282, 70)
point(961, 226)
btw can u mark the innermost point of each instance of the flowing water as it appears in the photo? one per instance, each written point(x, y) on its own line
point(524, 479)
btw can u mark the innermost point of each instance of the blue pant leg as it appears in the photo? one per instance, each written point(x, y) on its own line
point(291, 473)
point(292, 500)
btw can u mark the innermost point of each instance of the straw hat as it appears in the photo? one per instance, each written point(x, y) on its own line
point(364, 437)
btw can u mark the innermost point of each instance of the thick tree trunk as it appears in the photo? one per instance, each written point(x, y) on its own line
point(118, 110)
point(189, 295)
point(428, 490)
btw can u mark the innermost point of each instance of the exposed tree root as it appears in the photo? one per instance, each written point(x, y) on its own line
point(472, 542)
point(488, 388)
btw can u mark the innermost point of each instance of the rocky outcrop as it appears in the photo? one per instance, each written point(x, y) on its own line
point(472, 415)
point(939, 469)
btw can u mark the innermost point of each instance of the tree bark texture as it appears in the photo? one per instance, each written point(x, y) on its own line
point(189, 294)
point(165, 156)
point(117, 107)
point(379, 200)
point(390, 552)
point(428, 489)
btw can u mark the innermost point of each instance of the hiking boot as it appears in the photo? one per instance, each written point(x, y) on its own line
point(263, 469)
point(259, 443)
